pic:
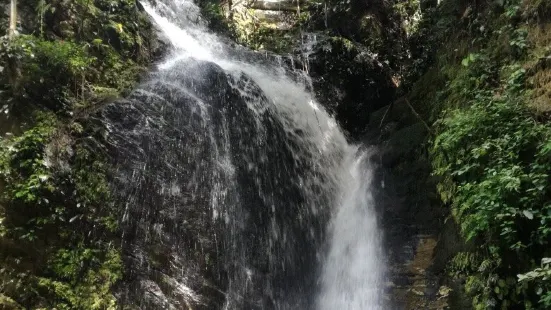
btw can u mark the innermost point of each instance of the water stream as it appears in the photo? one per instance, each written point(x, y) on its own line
point(241, 191)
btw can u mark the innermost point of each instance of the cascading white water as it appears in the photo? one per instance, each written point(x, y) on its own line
point(353, 270)
point(332, 177)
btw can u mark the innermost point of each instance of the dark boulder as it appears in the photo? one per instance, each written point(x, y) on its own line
point(158, 143)
point(212, 188)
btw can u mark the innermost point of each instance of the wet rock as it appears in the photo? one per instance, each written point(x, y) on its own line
point(160, 45)
point(350, 82)
point(412, 214)
point(402, 142)
point(155, 138)
point(373, 24)
point(212, 186)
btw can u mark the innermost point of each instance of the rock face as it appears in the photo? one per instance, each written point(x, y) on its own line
point(376, 25)
point(418, 240)
point(170, 247)
point(350, 82)
point(353, 61)
point(213, 193)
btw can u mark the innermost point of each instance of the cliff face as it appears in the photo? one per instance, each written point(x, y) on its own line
point(353, 51)
point(454, 94)
point(356, 55)
point(443, 80)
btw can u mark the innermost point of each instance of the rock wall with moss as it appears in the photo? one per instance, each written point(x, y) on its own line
point(481, 83)
point(58, 224)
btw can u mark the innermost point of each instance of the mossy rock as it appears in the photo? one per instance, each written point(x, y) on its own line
point(59, 235)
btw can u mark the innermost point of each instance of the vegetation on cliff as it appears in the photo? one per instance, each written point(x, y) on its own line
point(58, 223)
point(491, 148)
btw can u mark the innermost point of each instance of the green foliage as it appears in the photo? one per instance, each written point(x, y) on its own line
point(60, 74)
point(52, 70)
point(498, 158)
point(463, 263)
point(56, 203)
point(537, 9)
point(22, 165)
point(410, 12)
point(492, 156)
point(79, 286)
point(41, 8)
point(265, 38)
point(257, 34)
point(58, 227)
point(99, 44)
point(484, 146)
point(541, 277)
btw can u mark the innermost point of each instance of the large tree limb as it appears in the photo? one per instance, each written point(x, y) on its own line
point(419, 117)
point(285, 5)
point(413, 111)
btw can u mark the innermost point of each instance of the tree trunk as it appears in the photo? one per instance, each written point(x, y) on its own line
point(13, 18)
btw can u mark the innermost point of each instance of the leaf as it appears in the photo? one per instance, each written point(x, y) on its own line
point(528, 214)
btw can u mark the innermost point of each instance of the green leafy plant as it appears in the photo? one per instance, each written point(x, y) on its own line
point(58, 223)
point(56, 201)
point(541, 277)
point(498, 159)
point(492, 156)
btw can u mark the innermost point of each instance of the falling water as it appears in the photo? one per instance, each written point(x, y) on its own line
point(352, 270)
point(241, 191)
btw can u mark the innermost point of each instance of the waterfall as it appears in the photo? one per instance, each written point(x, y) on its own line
point(240, 190)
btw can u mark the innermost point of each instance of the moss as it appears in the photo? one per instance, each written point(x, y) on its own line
point(217, 17)
point(80, 286)
point(58, 228)
point(424, 93)
point(105, 45)
point(58, 221)
point(255, 31)
point(539, 67)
